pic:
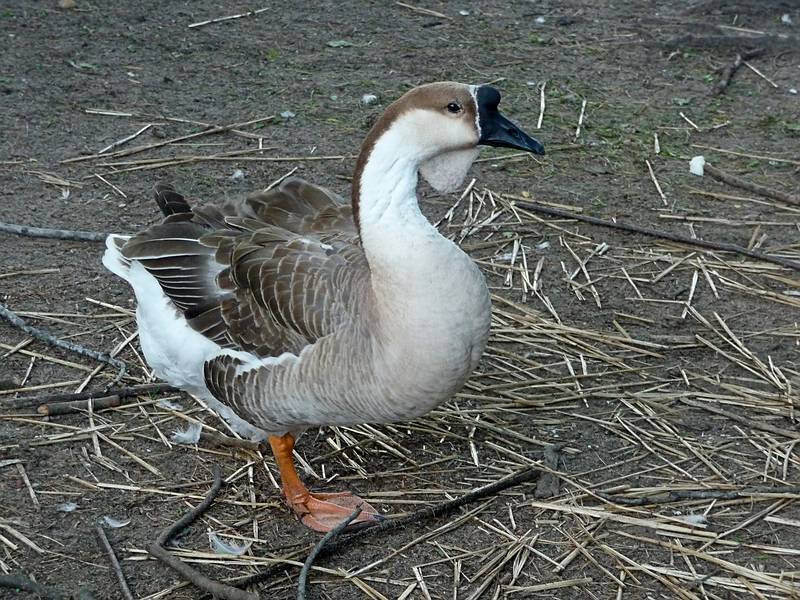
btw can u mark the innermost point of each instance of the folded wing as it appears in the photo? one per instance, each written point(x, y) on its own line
point(267, 275)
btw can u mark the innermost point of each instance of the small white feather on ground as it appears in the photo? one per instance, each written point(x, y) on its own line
point(116, 523)
point(696, 165)
point(230, 548)
point(67, 507)
point(188, 436)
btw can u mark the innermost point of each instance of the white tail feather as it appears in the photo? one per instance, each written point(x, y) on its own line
point(113, 259)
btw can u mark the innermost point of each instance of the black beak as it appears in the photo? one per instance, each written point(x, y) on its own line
point(496, 130)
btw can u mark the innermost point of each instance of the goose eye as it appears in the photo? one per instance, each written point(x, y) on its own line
point(454, 107)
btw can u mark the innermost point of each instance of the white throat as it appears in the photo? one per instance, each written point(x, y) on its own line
point(388, 182)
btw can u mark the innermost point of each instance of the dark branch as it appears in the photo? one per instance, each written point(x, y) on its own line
point(657, 233)
point(680, 495)
point(68, 408)
point(112, 558)
point(21, 583)
point(526, 475)
point(41, 335)
point(312, 556)
point(761, 190)
point(53, 234)
point(730, 70)
point(157, 549)
point(125, 392)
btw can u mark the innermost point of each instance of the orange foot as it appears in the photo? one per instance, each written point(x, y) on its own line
point(320, 512)
point(323, 512)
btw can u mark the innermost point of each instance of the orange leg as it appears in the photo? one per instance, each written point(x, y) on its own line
point(321, 512)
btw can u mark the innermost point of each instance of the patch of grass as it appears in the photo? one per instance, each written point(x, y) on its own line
point(271, 55)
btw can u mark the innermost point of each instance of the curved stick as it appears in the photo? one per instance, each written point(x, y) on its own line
point(157, 549)
point(312, 556)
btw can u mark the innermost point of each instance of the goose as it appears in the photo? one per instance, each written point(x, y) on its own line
point(292, 308)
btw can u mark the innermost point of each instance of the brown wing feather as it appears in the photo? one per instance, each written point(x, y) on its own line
point(270, 274)
point(169, 201)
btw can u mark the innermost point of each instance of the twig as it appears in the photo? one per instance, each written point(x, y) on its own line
point(360, 530)
point(760, 74)
point(747, 422)
point(657, 233)
point(125, 392)
point(678, 495)
point(281, 178)
point(136, 149)
point(111, 185)
point(43, 336)
point(112, 557)
point(761, 190)
point(541, 105)
point(249, 13)
point(68, 408)
point(157, 549)
point(301, 586)
point(580, 119)
point(53, 234)
point(162, 117)
point(26, 480)
point(424, 11)
point(730, 70)
point(125, 140)
point(655, 182)
point(20, 582)
point(691, 123)
point(775, 43)
point(776, 159)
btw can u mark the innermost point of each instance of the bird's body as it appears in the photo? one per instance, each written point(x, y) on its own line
point(293, 309)
point(346, 343)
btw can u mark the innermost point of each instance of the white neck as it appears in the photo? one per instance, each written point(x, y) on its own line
point(415, 271)
point(389, 214)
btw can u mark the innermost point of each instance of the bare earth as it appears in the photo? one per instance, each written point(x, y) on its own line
point(629, 366)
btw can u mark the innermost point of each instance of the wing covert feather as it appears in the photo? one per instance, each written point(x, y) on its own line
point(269, 274)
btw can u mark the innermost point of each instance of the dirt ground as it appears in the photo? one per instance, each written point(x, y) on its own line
point(642, 366)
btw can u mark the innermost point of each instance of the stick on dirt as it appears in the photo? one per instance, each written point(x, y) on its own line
point(682, 495)
point(68, 408)
point(225, 441)
point(657, 233)
point(527, 475)
point(53, 234)
point(41, 335)
point(302, 584)
point(157, 549)
point(730, 70)
point(21, 583)
point(112, 557)
point(125, 392)
point(761, 190)
point(250, 13)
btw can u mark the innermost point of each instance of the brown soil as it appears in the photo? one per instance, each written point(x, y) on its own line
point(608, 383)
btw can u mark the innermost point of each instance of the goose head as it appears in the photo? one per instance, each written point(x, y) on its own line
point(435, 130)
